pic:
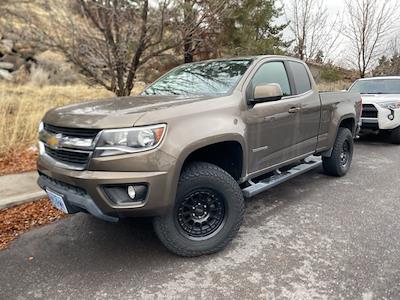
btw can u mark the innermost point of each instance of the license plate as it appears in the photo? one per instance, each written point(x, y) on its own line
point(57, 201)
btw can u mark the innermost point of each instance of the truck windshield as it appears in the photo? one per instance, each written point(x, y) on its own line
point(207, 78)
point(376, 86)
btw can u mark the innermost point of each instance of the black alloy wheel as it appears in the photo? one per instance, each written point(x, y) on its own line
point(201, 214)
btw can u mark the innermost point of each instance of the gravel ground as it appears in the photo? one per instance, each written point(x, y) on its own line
point(315, 237)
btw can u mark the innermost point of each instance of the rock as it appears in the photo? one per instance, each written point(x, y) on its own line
point(26, 52)
point(4, 74)
point(22, 45)
point(16, 60)
point(50, 56)
point(7, 66)
point(6, 46)
point(11, 36)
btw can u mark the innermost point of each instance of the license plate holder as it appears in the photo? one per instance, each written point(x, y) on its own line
point(57, 200)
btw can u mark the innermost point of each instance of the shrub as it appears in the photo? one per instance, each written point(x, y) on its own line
point(39, 77)
point(331, 74)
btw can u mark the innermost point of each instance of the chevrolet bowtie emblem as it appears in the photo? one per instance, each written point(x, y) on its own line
point(54, 141)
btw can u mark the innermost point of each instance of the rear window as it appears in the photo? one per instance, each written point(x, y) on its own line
point(376, 86)
point(301, 77)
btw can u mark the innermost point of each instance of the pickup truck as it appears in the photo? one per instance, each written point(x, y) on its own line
point(381, 105)
point(194, 144)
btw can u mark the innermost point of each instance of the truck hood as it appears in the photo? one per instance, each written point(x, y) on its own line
point(380, 98)
point(115, 112)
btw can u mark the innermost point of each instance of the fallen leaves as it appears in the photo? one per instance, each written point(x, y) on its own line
point(16, 220)
point(18, 160)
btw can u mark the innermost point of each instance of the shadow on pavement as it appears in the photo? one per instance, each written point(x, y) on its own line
point(375, 139)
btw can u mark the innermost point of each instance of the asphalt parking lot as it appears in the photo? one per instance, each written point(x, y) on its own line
point(311, 238)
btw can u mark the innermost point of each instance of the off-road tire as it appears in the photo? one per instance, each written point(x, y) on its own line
point(337, 164)
point(196, 177)
point(395, 136)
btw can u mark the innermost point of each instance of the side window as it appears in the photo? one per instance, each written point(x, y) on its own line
point(272, 72)
point(301, 77)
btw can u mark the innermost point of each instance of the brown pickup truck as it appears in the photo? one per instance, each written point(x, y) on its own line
point(194, 144)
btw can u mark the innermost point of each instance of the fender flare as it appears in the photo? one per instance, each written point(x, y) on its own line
point(328, 153)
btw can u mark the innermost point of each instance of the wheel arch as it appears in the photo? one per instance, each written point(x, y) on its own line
point(347, 121)
point(227, 152)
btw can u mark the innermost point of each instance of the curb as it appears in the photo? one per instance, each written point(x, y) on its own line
point(20, 199)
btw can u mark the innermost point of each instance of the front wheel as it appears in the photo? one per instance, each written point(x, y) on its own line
point(207, 215)
point(342, 154)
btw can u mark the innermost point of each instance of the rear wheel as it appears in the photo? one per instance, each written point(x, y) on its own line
point(395, 136)
point(207, 215)
point(342, 154)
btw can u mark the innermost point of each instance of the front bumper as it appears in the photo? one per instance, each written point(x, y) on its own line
point(83, 190)
point(75, 199)
point(383, 120)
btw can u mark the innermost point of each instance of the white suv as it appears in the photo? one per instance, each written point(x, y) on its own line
point(381, 105)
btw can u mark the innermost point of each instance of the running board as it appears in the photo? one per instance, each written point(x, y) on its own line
point(308, 164)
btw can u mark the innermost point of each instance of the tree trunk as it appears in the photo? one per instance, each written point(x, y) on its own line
point(188, 41)
point(188, 49)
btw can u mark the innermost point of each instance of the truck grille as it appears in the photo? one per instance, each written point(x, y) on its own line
point(79, 159)
point(75, 132)
point(369, 111)
point(71, 157)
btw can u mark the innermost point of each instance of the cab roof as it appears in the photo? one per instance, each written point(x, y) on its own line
point(253, 58)
point(379, 77)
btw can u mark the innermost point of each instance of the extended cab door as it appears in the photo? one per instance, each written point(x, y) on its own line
point(273, 126)
point(306, 135)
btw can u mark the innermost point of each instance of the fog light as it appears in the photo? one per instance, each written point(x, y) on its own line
point(391, 117)
point(126, 194)
point(131, 192)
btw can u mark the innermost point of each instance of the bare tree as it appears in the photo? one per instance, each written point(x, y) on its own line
point(110, 40)
point(369, 22)
point(312, 29)
point(192, 11)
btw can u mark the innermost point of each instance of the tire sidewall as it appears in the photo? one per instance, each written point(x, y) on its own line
point(333, 165)
point(234, 205)
point(347, 137)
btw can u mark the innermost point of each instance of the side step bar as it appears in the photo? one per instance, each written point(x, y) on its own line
point(307, 164)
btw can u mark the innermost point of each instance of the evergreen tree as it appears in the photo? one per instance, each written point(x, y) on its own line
point(248, 28)
point(388, 66)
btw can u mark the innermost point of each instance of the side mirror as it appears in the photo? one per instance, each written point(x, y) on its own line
point(267, 92)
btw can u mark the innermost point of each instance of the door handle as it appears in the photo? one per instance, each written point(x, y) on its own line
point(294, 110)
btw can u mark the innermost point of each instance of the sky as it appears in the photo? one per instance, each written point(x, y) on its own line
point(335, 7)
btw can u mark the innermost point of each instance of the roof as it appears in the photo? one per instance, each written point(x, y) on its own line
point(380, 77)
point(254, 57)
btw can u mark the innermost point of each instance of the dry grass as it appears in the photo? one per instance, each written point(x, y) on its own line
point(23, 106)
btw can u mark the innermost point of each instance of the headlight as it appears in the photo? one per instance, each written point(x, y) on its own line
point(41, 127)
point(129, 140)
point(41, 145)
point(390, 105)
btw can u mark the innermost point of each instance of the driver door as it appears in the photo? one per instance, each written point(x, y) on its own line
point(272, 126)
